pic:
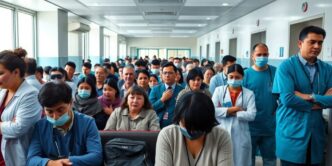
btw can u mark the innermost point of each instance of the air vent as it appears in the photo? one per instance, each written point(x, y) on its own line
point(160, 1)
point(160, 13)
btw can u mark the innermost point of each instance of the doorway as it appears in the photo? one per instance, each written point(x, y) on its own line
point(207, 51)
point(217, 53)
point(259, 37)
point(233, 47)
point(295, 30)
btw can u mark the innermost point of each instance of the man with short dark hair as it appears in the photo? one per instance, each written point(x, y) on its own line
point(163, 96)
point(70, 68)
point(86, 70)
point(64, 136)
point(30, 72)
point(221, 78)
point(304, 85)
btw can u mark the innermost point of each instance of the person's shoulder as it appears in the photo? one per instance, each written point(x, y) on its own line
point(219, 133)
point(82, 117)
point(170, 130)
point(247, 91)
point(220, 88)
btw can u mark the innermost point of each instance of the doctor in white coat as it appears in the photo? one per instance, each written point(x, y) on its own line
point(235, 107)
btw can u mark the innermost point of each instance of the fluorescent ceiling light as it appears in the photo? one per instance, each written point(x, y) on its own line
point(132, 25)
point(124, 17)
point(189, 25)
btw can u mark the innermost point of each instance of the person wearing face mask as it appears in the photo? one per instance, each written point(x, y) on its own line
point(135, 113)
point(86, 101)
point(235, 108)
point(153, 80)
point(259, 79)
point(64, 137)
point(221, 78)
point(194, 83)
point(195, 138)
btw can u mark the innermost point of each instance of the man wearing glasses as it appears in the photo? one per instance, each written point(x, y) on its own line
point(163, 96)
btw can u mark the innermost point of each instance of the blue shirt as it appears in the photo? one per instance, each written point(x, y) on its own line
point(217, 80)
point(309, 67)
point(260, 82)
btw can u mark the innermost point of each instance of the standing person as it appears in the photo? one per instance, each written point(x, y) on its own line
point(163, 96)
point(259, 79)
point(19, 109)
point(194, 138)
point(221, 78)
point(64, 137)
point(303, 83)
point(235, 108)
point(30, 73)
point(208, 73)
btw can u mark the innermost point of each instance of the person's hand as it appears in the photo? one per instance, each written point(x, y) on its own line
point(232, 110)
point(303, 96)
point(166, 95)
point(60, 162)
point(328, 92)
point(108, 110)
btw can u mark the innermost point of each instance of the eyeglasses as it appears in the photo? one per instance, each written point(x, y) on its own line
point(168, 73)
point(56, 76)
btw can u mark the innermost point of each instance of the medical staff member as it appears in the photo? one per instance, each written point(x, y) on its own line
point(235, 107)
point(302, 82)
point(259, 79)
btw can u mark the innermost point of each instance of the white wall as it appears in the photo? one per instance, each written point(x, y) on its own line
point(275, 19)
point(47, 34)
point(163, 42)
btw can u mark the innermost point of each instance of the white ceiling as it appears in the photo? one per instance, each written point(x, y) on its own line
point(163, 18)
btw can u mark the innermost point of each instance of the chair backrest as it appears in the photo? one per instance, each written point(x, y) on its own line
point(150, 137)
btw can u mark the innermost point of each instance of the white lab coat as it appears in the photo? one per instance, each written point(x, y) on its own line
point(237, 126)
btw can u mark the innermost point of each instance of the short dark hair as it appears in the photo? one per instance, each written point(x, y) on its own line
point(235, 67)
point(89, 80)
point(87, 65)
point(114, 67)
point(136, 90)
point(71, 64)
point(53, 93)
point(31, 66)
point(259, 44)
point(181, 75)
point(155, 76)
point(311, 29)
point(227, 58)
point(47, 69)
point(143, 72)
point(113, 83)
point(193, 73)
point(60, 69)
point(206, 68)
point(168, 64)
point(195, 60)
point(140, 63)
point(40, 69)
point(197, 116)
point(155, 62)
point(12, 60)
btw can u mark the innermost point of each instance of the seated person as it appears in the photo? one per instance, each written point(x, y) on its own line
point(195, 138)
point(135, 113)
point(63, 137)
point(111, 96)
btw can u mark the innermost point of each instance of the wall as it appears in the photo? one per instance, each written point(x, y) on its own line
point(275, 19)
point(162, 42)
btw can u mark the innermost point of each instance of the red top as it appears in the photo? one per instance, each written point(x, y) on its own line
point(2, 108)
point(234, 96)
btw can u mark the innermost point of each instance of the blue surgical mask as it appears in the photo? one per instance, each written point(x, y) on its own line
point(194, 134)
point(234, 83)
point(84, 94)
point(155, 71)
point(261, 61)
point(60, 121)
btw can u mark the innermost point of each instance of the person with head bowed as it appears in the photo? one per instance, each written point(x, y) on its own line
point(64, 137)
point(194, 138)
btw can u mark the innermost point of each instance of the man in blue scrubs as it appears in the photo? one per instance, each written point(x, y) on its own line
point(303, 83)
point(259, 79)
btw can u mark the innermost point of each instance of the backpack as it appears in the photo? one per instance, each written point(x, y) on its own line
point(122, 151)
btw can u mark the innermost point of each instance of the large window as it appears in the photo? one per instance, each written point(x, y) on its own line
point(17, 28)
point(178, 53)
point(26, 32)
point(7, 29)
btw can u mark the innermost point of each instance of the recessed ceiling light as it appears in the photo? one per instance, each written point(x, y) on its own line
point(225, 4)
